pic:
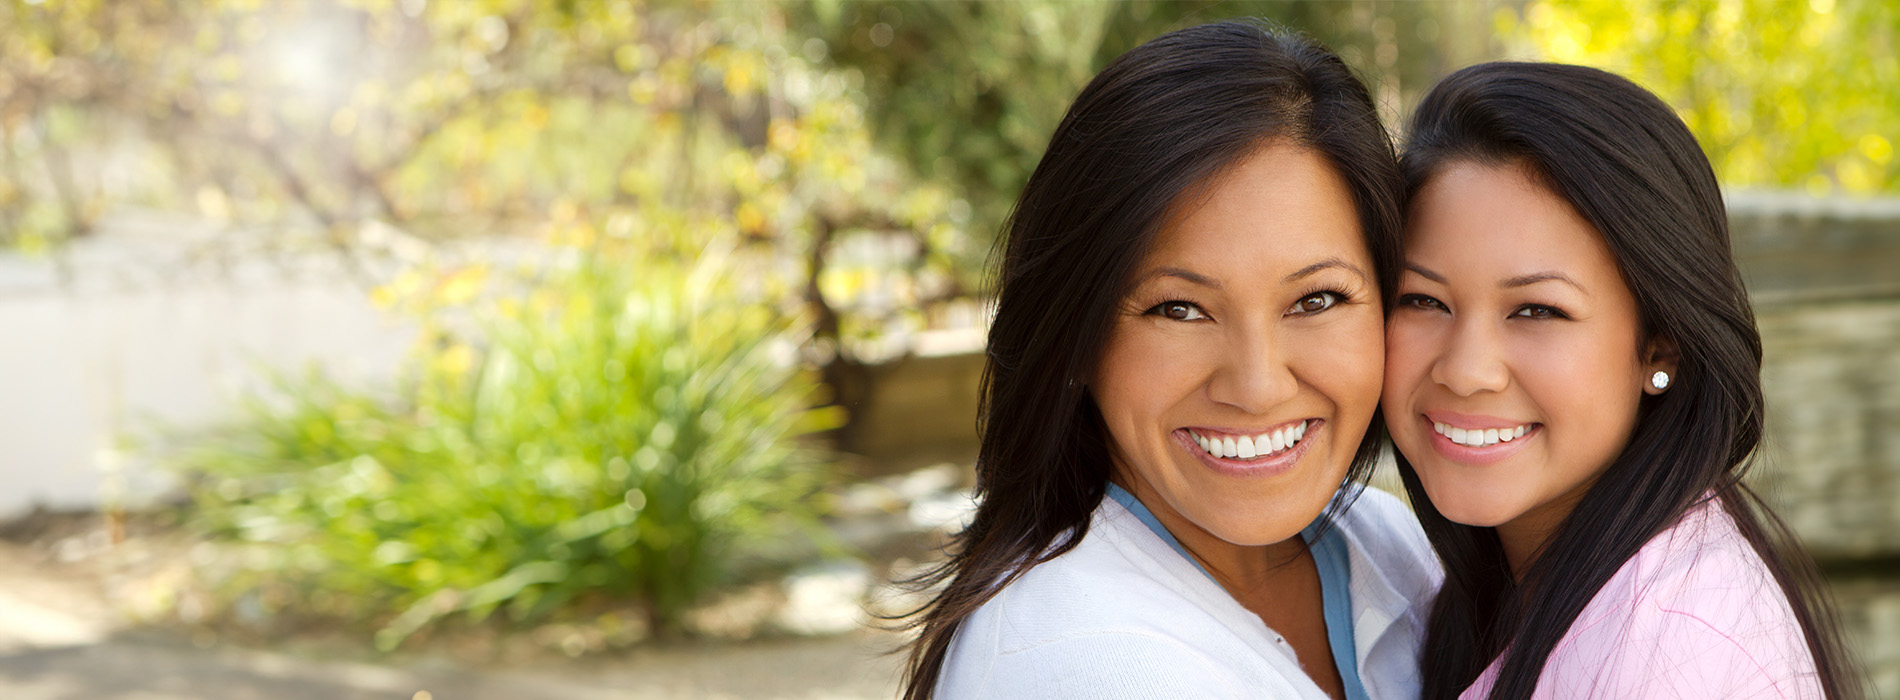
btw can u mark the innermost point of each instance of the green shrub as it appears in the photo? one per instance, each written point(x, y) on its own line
point(619, 433)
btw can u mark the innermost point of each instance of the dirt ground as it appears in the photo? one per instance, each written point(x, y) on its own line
point(845, 667)
point(63, 636)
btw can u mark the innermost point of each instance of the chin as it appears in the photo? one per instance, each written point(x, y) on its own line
point(1480, 514)
point(1470, 505)
point(1259, 537)
point(1245, 531)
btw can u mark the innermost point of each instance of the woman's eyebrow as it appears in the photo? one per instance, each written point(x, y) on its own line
point(1425, 273)
point(1510, 283)
point(1195, 277)
point(1309, 270)
point(1545, 276)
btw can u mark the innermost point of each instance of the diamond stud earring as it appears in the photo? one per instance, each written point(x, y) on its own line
point(1660, 380)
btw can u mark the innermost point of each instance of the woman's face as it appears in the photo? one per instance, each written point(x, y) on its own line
point(1514, 361)
point(1244, 366)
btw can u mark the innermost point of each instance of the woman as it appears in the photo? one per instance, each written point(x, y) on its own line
point(1572, 378)
point(1182, 368)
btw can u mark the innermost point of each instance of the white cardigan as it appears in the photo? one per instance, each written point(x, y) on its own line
point(1123, 615)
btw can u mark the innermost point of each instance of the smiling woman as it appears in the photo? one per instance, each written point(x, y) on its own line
point(1573, 382)
point(1184, 362)
point(1241, 329)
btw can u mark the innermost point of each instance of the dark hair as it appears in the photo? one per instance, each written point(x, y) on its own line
point(1159, 120)
point(1630, 167)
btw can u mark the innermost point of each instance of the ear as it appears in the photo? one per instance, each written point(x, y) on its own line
point(1659, 355)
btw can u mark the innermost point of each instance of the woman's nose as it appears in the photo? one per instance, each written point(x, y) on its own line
point(1472, 362)
point(1254, 376)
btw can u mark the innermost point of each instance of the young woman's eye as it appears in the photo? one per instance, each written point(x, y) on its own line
point(1538, 311)
point(1314, 303)
point(1178, 311)
point(1420, 301)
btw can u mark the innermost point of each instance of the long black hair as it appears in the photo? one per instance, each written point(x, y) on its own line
point(1157, 121)
point(1630, 167)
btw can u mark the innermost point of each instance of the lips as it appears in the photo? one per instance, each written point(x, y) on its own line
point(1480, 437)
point(1272, 463)
point(1477, 440)
point(1249, 446)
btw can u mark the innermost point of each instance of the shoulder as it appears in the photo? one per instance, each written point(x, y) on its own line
point(1696, 613)
point(1385, 537)
point(1118, 615)
point(1118, 578)
point(1394, 577)
point(1100, 664)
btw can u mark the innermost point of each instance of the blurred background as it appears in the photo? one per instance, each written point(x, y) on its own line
point(629, 348)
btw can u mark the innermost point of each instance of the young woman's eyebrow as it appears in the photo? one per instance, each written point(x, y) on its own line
point(1510, 283)
point(1546, 276)
point(1425, 273)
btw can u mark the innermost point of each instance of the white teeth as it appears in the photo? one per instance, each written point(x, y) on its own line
point(1251, 446)
point(1479, 437)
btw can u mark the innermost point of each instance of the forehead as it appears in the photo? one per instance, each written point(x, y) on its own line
point(1485, 222)
point(1276, 210)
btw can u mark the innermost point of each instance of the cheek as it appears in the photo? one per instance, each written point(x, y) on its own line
point(1586, 389)
point(1143, 370)
point(1346, 361)
point(1409, 349)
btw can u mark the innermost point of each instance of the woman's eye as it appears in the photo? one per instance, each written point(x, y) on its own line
point(1313, 303)
point(1538, 311)
point(1178, 311)
point(1420, 301)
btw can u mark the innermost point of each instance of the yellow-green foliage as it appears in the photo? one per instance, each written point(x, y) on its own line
point(1801, 93)
point(621, 418)
point(613, 437)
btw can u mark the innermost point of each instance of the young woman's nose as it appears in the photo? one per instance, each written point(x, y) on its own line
point(1254, 375)
point(1471, 361)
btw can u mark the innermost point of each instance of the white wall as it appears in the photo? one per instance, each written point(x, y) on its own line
point(142, 329)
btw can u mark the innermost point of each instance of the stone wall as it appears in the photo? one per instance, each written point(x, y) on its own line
point(1831, 372)
point(1825, 276)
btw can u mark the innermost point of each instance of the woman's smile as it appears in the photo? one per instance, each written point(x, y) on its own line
point(1256, 453)
point(1469, 442)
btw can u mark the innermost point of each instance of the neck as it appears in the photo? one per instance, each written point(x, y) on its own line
point(1525, 536)
point(1236, 567)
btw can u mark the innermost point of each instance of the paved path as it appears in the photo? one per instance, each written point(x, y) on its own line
point(59, 640)
point(837, 668)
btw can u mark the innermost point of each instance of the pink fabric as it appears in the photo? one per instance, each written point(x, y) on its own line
point(1695, 614)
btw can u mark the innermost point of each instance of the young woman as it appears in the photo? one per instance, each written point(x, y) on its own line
point(1572, 378)
point(1183, 365)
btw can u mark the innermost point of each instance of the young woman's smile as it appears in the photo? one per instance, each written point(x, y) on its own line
point(1475, 439)
point(1251, 334)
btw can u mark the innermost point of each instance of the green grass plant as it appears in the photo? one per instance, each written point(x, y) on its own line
point(617, 431)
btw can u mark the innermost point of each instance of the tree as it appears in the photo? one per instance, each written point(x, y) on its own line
point(1781, 93)
point(645, 138)
point(967, 93)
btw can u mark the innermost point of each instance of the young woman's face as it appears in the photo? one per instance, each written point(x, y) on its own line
point(1514, 361)
point(1244, 366)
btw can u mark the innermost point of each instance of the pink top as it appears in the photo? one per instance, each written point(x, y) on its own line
point(1695, 614)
